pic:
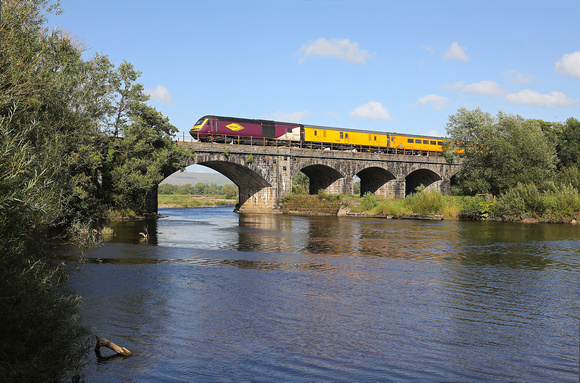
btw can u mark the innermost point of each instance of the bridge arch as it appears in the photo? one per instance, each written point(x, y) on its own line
point(422, 177)
point(374, 180)
point(322, 177)
point(242, 176)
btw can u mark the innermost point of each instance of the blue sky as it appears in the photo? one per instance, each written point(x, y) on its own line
point(396, 66)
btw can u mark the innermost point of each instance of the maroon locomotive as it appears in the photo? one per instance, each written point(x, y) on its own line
point(219, 129)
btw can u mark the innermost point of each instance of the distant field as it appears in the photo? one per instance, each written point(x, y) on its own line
point(176, 200)
point(193, 178)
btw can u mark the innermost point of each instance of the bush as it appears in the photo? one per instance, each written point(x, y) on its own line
point(569, 176)
point(524, 200)
point(562, 203)
point(475, 208)
point(425, 202)
point(368, 201)
point(392, 207)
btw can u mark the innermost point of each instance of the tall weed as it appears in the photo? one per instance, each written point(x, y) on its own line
point(523, 200)
point(562, 203)
point(425, 202)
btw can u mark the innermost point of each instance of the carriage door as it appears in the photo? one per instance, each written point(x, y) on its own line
point(213, 126)
point(268, 130)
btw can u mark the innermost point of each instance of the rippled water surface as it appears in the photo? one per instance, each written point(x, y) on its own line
point(220, 297)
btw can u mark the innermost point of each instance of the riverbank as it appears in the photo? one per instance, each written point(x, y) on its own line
point(432, 205)
point(182, 200)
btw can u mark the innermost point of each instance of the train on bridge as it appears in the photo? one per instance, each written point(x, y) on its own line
point(254, 131)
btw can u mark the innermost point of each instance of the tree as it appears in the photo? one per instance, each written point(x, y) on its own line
point(76, 139)
point(300, 183)
point(40, 334)
point(569, 144)
point(230, 191)
point(500, 152)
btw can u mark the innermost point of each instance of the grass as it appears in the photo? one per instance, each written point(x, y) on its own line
point(557, 204)
point(182, 200)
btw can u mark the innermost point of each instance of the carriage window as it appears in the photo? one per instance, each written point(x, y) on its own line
point(426, 142)
point(417, 141)
point(433, 143)
point(289, 130)
point(439, 142)
point(410, 140)
point(200, 122)
point(346, 135)
point(315, 132)
point(375, 138)
point(341, 135)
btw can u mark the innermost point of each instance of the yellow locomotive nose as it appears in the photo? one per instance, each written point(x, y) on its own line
point(198, 125)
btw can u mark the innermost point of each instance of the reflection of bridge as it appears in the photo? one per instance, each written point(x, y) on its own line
point(264, 173)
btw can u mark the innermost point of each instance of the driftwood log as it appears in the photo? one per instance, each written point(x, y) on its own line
point(102, 342)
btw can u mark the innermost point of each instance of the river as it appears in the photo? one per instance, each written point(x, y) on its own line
point(215, 296)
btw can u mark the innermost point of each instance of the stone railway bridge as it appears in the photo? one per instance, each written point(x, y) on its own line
point(264, 173)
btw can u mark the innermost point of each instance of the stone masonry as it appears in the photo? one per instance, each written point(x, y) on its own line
point(264, 173)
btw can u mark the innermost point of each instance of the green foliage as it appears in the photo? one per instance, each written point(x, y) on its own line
point(228, 191)
point(475, 208)
point(569, 176)
point(368, 201)
point(562, 203)
point(425, 202)
point(568, 146)
point(300, 183)
point(328, 197)
point(250, 159)
point(356, 188)
point(556, 204)
point(500, 152)
point(76, 141)
point(524, 200)
point(391, 207)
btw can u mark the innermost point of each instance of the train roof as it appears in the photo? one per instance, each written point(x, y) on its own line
point(373, 132)
point(251, 120)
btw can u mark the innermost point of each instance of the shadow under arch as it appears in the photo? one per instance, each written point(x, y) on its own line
point(453, 181)
point(422, 177)
point(321, 177)
point(241, 176)
point(248, 181)
point(373, 178)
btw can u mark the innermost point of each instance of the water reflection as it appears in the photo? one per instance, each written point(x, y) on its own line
point(477, 243)
point(216, 296)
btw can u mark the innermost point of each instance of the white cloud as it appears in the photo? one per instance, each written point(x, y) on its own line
point(427, 48)
point(433, 133)
point(455, 53)
point(437, 102)
point(569, 65)
point(488, 88)
point(342, 49)
point(531, 97)
point(288, 117)
point(456, 86)
point(160, 94)
point(516, 77)
point(371, 110)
